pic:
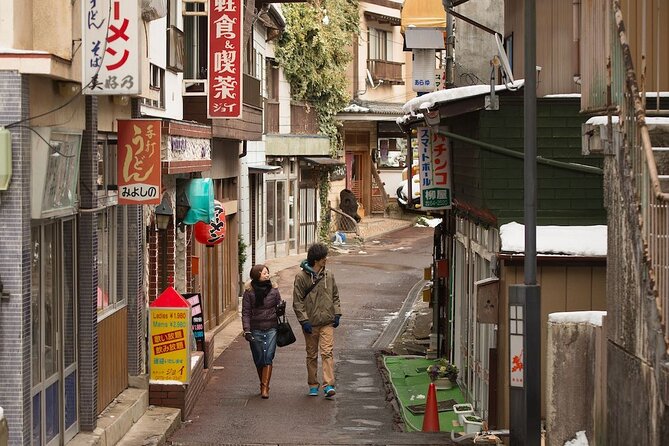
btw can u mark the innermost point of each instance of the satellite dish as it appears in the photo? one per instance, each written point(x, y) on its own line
point(506, 66)
point(371, 80)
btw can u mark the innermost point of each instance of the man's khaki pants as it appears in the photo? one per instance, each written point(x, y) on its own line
point(321, 338)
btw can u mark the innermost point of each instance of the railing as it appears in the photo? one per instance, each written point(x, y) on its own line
point(303, 119)
point(385, 70)
point(271, 116)
point(653, 203)
point(343, 222)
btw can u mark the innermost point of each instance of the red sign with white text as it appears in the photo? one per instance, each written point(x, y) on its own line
point(224, 98)
point(138, 161)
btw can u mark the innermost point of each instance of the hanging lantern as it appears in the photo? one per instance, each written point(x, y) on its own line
point(213, 233)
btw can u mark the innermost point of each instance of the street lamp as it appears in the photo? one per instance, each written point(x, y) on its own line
point(163, 217)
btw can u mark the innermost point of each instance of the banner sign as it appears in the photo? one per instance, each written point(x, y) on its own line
point(169, 338)
point(110, 47)
point(434, 162)
point(516, 332)
point(138, 165)
point(197, 321)
point(224, 98)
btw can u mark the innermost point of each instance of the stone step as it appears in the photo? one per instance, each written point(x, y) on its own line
point(153, 428)
point(116, 420)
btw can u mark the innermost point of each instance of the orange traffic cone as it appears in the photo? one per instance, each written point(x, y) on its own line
point(431, 417)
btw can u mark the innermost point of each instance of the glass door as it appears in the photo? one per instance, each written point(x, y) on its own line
point(54, 358)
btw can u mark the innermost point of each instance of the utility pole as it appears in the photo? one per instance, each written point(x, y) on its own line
point(525, 300)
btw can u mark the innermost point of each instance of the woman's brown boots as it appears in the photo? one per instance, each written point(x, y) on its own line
point(265, 375)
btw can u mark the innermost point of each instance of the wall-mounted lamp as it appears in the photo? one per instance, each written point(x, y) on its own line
point(5, 158)
point(68, 89)
point(121, 100)
point(164, 213)
point(183, 202)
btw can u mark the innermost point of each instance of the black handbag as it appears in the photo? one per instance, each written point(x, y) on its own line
point(284, 332)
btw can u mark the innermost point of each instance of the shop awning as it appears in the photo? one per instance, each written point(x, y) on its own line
point(263, 168)
point(323, 161)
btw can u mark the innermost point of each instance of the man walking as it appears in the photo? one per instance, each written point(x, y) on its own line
point(316, 305)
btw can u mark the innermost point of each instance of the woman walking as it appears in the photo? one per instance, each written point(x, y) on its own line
point(261, 305)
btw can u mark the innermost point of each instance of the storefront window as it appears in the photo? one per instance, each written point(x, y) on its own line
point(60, 188)
point(392, 153)
point(111, 236)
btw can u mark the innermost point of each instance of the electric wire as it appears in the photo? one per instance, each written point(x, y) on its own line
point(69, 101)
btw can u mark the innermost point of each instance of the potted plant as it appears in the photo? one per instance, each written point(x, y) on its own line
point(462, 410)
point(473, 424)
point(443, 374)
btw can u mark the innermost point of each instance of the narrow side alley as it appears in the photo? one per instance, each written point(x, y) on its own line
point(374, 281)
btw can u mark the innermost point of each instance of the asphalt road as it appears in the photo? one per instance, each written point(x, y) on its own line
point(374, 281)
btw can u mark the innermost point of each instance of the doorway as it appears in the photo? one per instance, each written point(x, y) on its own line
point(54, 390)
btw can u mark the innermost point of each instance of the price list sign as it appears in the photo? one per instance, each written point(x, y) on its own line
point(169, 338)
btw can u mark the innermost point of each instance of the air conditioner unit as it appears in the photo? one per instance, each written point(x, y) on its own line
point(153, 9)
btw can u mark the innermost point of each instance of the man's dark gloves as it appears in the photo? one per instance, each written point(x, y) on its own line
point(306, 326)
point(248, 336)
point(281, 309)
point(335, 324)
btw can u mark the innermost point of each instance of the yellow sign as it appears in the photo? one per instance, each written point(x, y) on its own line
point(169, 344)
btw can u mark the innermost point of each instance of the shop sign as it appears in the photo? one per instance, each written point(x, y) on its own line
point(169, 337)
point(197, 319)
point(110, 47)
point(138, 161)
point(516, 335)
point(224, 98)
point(183, 148)
point(434, 170)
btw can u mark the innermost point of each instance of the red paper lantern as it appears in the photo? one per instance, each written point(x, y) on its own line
point(213, 233)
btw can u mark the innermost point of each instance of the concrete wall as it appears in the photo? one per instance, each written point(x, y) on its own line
point(573, 388)
point(474, 48)
point(637, 381)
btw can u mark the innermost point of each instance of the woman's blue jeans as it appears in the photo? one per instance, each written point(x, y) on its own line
point(263, 346)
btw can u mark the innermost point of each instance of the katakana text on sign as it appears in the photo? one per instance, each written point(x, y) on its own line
point(434, 170)
point(224, 98)
point(110, 47)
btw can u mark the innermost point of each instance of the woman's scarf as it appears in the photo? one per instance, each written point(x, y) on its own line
point(261, 289)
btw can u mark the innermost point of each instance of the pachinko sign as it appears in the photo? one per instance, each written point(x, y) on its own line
point(434, 170)
point(224, 98)
point(138, 168)
point(110, 47)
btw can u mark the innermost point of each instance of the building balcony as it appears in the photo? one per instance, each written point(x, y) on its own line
point(387, 71)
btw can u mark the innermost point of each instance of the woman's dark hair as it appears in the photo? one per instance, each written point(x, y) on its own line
point(316, 252)
point(256, 270)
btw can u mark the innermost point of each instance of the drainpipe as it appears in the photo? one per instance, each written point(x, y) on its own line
point(576, 41)
point(244, 149)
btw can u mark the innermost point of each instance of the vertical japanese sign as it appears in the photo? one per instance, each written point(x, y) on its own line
point(169, 337)
point(197, 320)
point(224, 98)
point(434, 163)
point(110, 47)
point(138, 161)
point(516, 332)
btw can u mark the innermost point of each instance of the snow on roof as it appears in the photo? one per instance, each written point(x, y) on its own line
point(566, 240)
point(355, 108)
point(451, 94)
point(577, 317)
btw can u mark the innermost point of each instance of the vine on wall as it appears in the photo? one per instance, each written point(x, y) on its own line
point(314, 51)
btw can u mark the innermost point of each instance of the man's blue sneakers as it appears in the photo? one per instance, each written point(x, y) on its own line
point(329, 391)
point(313, 391)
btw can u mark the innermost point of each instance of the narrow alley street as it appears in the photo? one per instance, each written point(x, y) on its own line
point(374, 281)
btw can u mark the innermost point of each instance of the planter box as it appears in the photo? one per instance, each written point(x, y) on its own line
point(462, 410)
point(473, 425)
